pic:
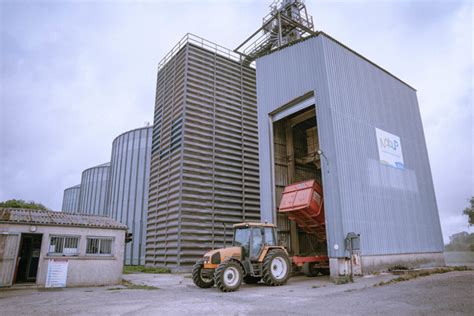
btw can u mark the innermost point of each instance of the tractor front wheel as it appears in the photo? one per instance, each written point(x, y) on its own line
point(228, 276)
point(276, 267)
point(198, 278)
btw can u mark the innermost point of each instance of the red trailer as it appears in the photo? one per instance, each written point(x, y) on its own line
point(303, 203)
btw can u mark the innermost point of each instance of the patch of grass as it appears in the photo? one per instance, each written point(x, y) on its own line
point(413, 274)
point(132, 286)
point(397, 267)
point(143, 269)
point(343, 279)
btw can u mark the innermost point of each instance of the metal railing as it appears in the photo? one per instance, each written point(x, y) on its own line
point(203, 43)
point(63, 246)
point(99, 246)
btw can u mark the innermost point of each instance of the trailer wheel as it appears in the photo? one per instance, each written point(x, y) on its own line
point(228, 276)
point(325, 271)
point(248, 279)
point(309, 269)
point(198, 278)
point(276, 267)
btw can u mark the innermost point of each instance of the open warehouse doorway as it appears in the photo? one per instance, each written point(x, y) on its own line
point(295, 160)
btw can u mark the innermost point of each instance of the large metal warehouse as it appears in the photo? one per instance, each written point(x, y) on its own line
point(127, 192)
point(361, 117)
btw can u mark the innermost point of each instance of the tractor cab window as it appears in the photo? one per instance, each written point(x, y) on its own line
point(270, 238)
point(257, 241)
point(242, 237)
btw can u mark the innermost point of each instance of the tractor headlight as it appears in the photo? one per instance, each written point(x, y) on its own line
point(206, 259)
point(216, 258)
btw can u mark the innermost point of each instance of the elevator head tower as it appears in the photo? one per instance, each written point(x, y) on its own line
point(287, 21)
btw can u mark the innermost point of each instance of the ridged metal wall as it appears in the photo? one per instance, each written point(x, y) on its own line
point(393, 210)
point(129, 178)
point(71, 199)
point(93, 195)
point(204, 166)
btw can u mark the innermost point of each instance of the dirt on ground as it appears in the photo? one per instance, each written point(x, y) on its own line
point(170, 294)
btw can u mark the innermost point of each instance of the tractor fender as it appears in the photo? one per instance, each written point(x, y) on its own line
point(266, 249)
point(236, 261)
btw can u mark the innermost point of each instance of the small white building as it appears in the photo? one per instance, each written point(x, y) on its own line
point(55, 249)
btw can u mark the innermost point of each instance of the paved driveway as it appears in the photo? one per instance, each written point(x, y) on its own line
point(443, 294)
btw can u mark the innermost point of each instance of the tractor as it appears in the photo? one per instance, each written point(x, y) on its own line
point(254, 256)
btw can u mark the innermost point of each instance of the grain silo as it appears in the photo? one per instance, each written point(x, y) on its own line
point(204, 165)
point(71, 199)
point(327, 113)
point(93, 194)
point(128, 188)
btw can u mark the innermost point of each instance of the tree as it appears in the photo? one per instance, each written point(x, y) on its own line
point(23, 204)
point(469, 212)
point(462, 241)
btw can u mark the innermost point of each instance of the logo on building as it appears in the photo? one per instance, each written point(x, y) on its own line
point(390, 149)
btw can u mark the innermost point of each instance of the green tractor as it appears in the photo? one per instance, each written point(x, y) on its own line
point(254, 256)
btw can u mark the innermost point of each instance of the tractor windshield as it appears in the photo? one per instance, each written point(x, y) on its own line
point(242, 237)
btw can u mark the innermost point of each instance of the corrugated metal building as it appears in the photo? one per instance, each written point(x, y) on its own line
point(71, 199)
point(93, 195)
point(356, 109)
point(129, 177)
point(204, 165)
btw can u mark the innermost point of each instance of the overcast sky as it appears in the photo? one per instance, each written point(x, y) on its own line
point(75, 74)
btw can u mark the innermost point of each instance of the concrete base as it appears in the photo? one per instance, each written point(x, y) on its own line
point(414, 260)
point(370, 264)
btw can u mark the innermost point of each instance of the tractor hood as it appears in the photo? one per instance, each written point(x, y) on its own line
point(219, 255)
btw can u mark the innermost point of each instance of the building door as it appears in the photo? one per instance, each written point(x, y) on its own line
point(28, 258)
point(8, 252)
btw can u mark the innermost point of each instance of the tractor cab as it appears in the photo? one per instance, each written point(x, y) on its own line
point(253, 238)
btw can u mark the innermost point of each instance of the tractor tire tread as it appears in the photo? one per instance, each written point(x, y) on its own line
point(196, 274)
point(219, 278)
point(267, 268)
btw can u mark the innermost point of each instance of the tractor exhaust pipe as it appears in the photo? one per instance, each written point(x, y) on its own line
point(224, 234)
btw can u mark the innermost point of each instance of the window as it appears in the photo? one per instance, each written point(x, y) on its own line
point(257, 241)
point(63, 245)
point(99, 245)
point(270, 236)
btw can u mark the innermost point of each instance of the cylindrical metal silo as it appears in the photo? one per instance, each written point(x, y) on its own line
point(128, 187)
point(71, 199)
point(93, 196)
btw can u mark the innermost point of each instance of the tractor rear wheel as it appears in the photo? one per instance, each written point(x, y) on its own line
point(228, 276)
point(198, 278)
point(276, 267)
point(248, 279)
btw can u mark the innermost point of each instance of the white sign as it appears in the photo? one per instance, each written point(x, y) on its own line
point(390, 149)
point(57, 273)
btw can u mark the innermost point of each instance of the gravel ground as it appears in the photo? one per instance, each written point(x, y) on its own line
point(441, 294)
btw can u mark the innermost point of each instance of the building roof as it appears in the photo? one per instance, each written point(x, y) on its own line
point(252, 224)
point(321, 33)
point(39, 217)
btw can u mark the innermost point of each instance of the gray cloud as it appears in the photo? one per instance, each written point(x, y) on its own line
point(76, 74)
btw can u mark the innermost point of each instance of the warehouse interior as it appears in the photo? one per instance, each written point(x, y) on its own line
point(296, 159)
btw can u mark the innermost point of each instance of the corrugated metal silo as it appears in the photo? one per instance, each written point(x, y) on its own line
point(71, 199)
point(93, 195)
point(204, 166)
point(128, 187)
